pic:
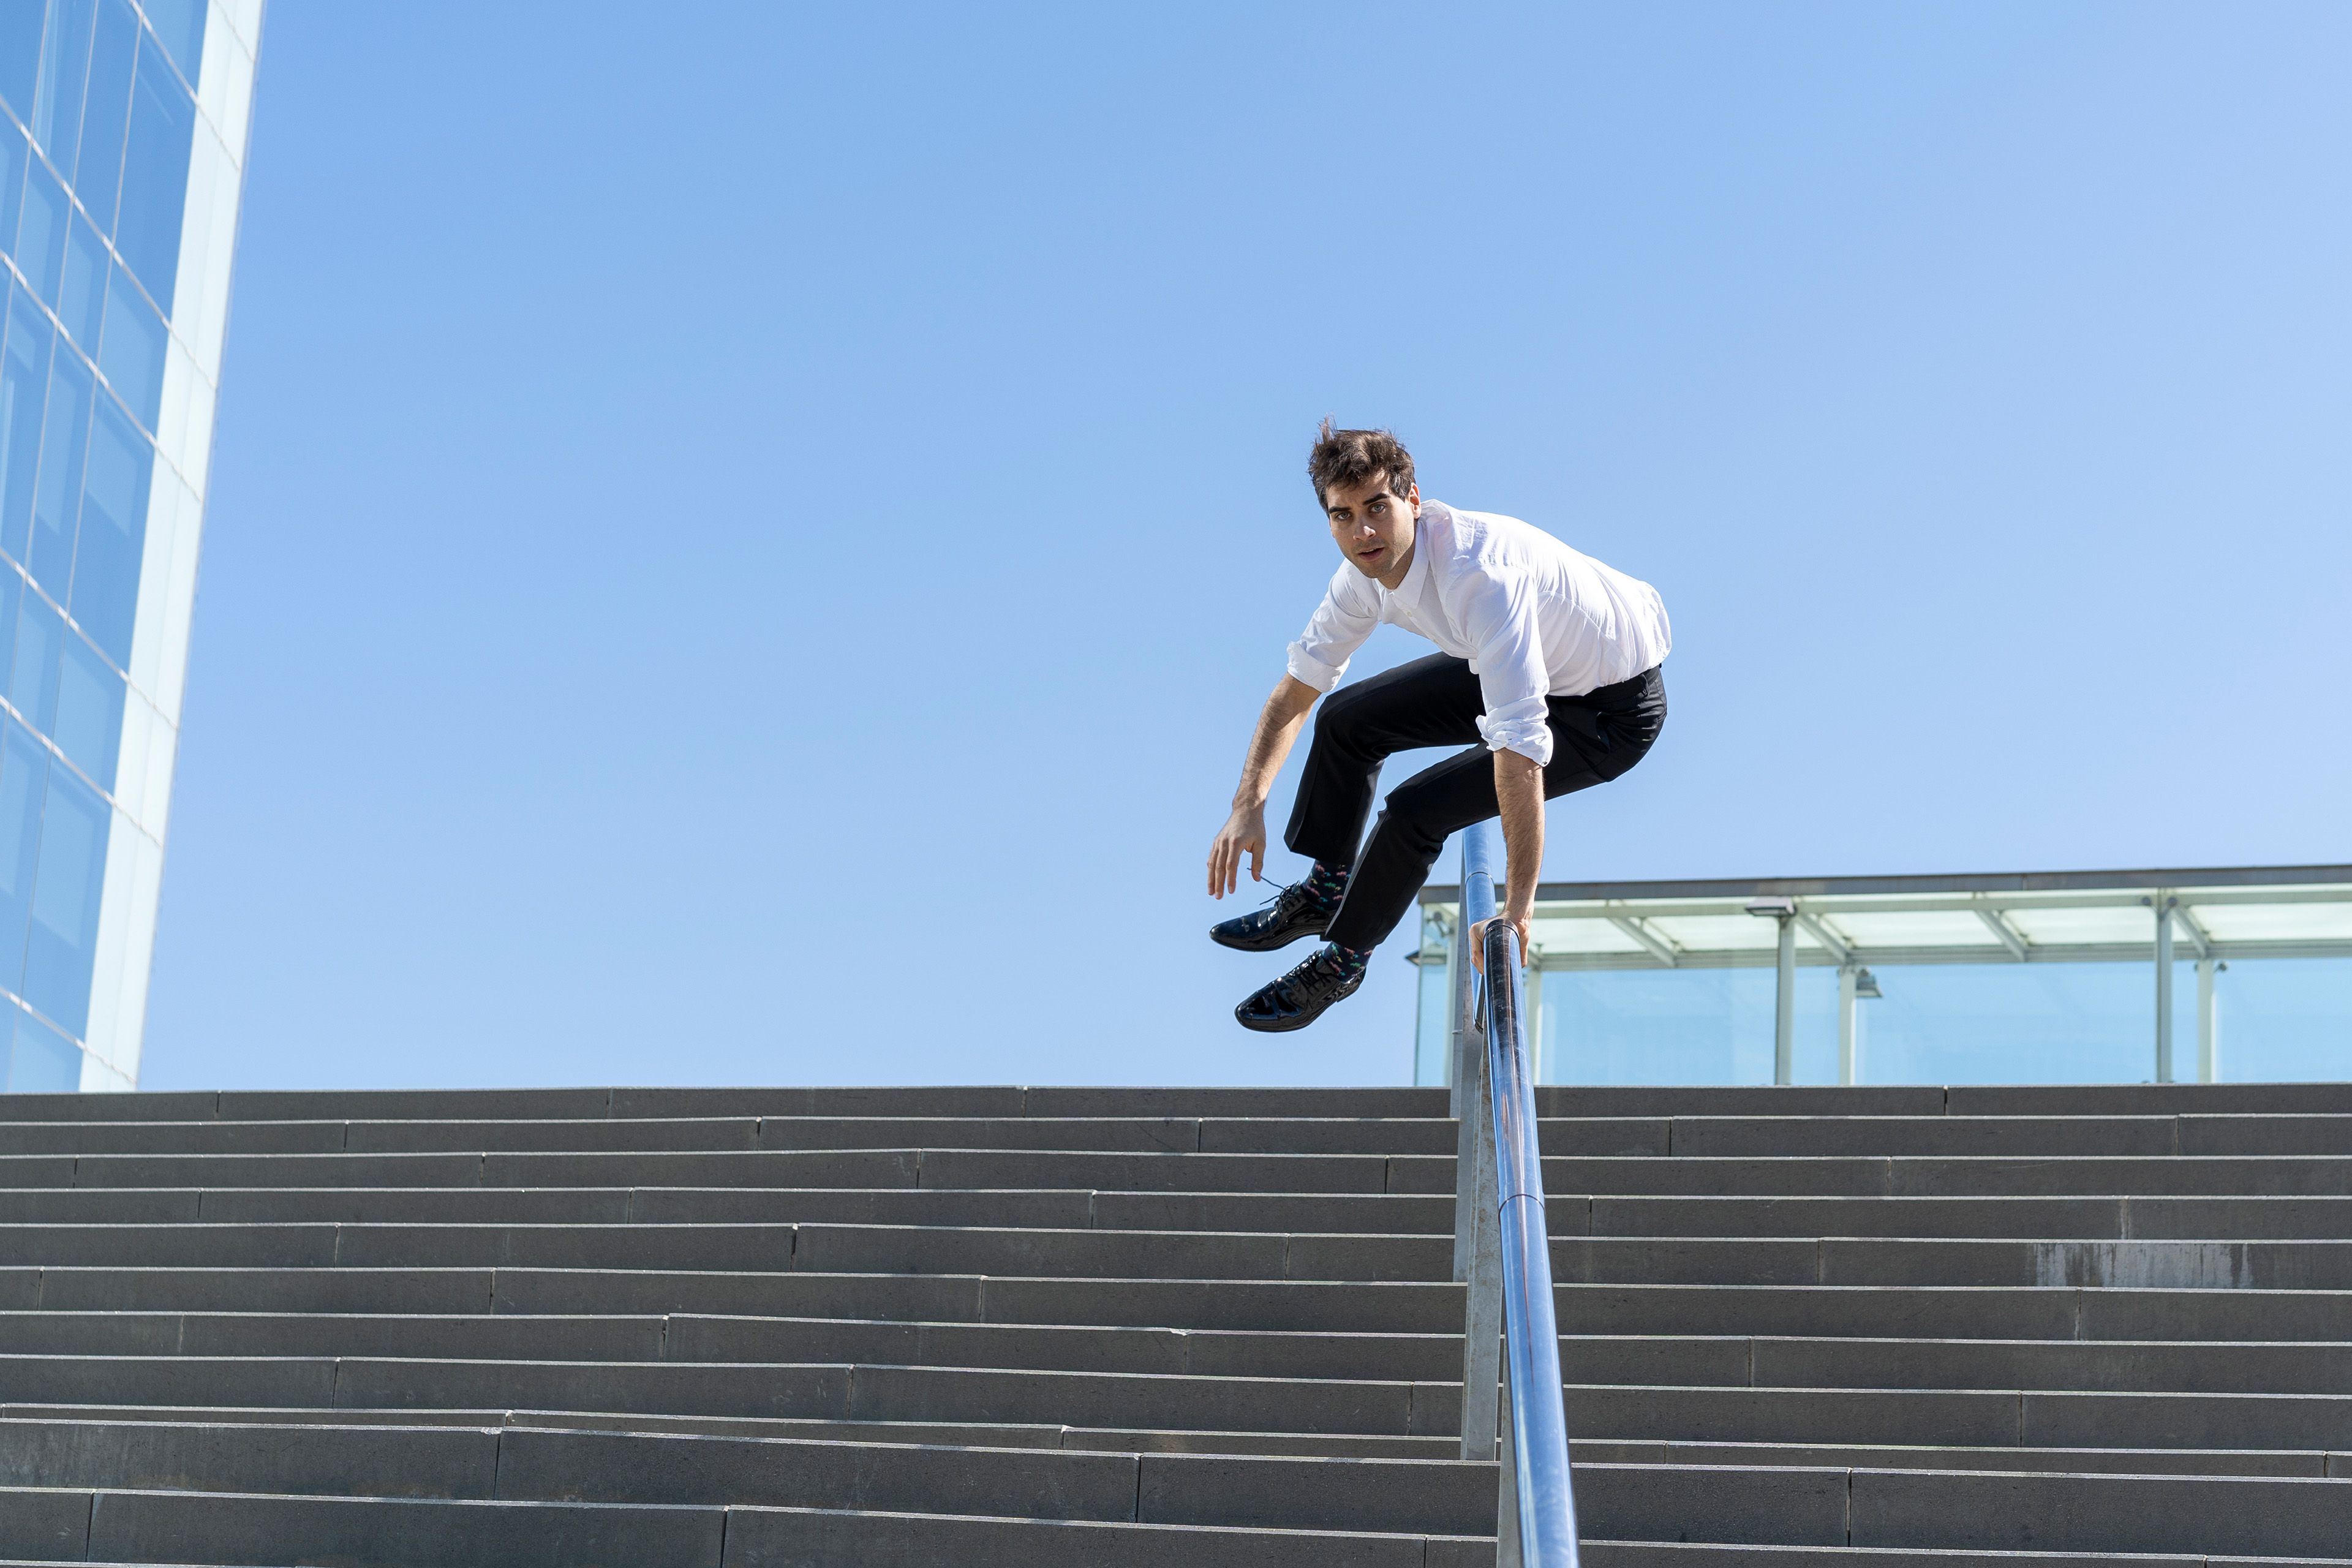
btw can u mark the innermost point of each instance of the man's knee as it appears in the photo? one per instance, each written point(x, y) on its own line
point(1415, 808)
point(1343, 720)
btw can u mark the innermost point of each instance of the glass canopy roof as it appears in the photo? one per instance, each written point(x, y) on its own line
point(2071, 917)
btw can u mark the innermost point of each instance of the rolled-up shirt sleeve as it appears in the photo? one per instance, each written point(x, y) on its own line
point(1513, 678)
point(1338, 628)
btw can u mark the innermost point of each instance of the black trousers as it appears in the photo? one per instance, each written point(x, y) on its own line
point(1435, 701)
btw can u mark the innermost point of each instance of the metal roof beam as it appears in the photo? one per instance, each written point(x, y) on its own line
point(1839, 948)
point(1988, 952)
point(1962, 903)
point(1664, 951)
point(2189, 926)
point(2007, 933)
point(2183, 881)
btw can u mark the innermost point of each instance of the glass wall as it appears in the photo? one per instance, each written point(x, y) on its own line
point(2048, 978)
point(123, 134)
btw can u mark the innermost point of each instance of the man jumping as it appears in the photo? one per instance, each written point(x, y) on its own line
point(1551, 663)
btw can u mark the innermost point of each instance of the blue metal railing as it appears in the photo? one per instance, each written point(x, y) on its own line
point(1536, 1517)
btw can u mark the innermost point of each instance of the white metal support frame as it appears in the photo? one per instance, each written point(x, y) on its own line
point(1783, 910)
point(1849, 1024)
point(1535, 1014)
point(2164, 903)
point(2209, 1021)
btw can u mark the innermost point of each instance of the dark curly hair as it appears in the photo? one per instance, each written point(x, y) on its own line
point(1352, 456)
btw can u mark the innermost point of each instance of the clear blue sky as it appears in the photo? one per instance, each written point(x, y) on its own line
point(745, 548)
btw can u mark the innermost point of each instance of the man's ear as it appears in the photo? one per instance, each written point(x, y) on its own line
point(1412, 499)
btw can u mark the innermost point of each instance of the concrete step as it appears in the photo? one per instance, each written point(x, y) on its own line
point(1701, 1136)
point(867, 1168)
point(1826, 1177)
point(1732, 1357)
point(2308, 1464)
point(1981, 1312)
point(1425, 1215)
point(1730, 1360)
point(1961, 1417)
point(1628, 1411)
point(1552, 1100)
point(2070, 1217)
point(1662, 1555)
point(830, 1392)
point(1195, 1254)
point(1318, 1306)
point(1733, 1137)
point(1885, 1510)
point(525, 1464)
point(2057, 1175)
point(948, 1434)
point(1274, 1305)
point(2081, 1218)
point(2133, 1366)
point(684, 1337)
point(372, 1532)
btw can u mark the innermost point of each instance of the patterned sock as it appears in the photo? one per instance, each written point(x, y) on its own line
point(1346, 962)
point(1326, 886)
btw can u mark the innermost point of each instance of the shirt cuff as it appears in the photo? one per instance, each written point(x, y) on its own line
point(1531, 738)
point(1308, 671)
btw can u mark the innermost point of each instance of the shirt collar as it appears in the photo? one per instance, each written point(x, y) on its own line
point(1433, 514)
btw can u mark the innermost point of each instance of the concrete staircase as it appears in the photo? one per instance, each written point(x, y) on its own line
point(1064, 1328)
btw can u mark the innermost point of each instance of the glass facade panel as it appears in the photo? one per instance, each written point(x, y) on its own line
point(155, 174)
point(12, 601)
point(2282, 1019)
point(57, 494)
point(23, 780)
point(131, 354)
point(33, 675)
point(41, 1061)
point(41, 232)
point(81, 293)
point(13, 155)
point(2028, 1023)
point(90, 712)
point(62, 943)
point(24, 391)
point(1674, 1026)
point(113, 533)
point(1430, 1037)
point(180, 26)
point(106, 110)
point(64, 72)
point(20, 54)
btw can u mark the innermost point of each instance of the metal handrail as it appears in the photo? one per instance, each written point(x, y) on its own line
point(1536, 1514)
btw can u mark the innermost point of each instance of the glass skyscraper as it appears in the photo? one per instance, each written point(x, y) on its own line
point(123, 140)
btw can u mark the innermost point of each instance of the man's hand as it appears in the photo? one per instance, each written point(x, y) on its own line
point(1244, 831)
point(1242, 834)
point(1479, 941)
point(1518, 790)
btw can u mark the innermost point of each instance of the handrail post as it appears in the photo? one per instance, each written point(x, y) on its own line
point(1481, 1326)
point(1477, 1242)
point(1468, 1068)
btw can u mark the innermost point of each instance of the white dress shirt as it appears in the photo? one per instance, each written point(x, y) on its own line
point(1534, 619)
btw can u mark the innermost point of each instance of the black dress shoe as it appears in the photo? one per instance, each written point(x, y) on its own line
point(1298, 998)
point(1293, 914)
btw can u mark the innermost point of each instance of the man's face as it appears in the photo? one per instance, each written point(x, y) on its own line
point(1373, 526)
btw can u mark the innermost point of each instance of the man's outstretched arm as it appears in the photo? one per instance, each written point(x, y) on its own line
point(1519, 786)
point(1244, 831)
